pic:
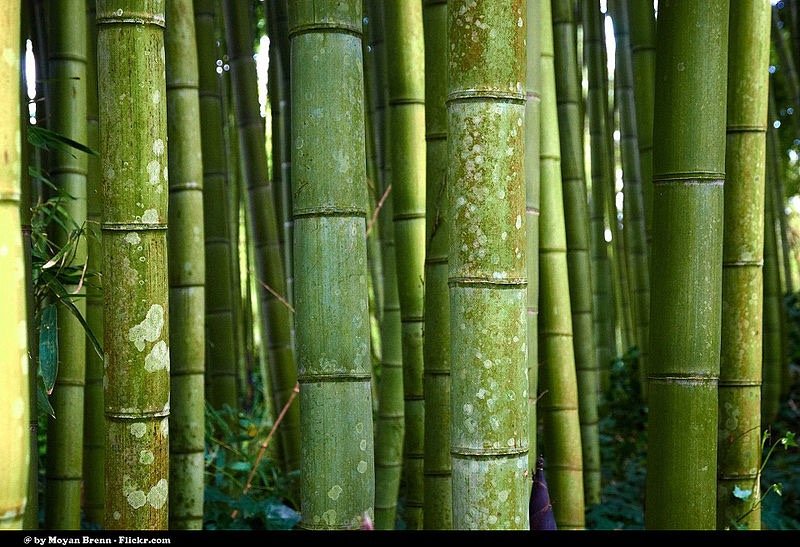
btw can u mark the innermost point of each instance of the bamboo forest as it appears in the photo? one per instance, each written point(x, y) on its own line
point(399, 265)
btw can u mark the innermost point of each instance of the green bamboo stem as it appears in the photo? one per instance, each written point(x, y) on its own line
point(373, 176)
point(31, 516)
point(533, 107)
point(634, 216)
point(773, 307)
point(437, 467)
point(67, 116)
point(133, 134)
point(186, 270)
point(93, 431)
point(570, 124)
point(269, 267)
point(278, 91)
point(739, 444)
point(597, 99)
point(406, 99)
point(391, 413)
point(643, 57)
point(558, 406)
point(221, 245)
point(487, 266)
point(14, 451)
point(334, 367)
point(689, 170)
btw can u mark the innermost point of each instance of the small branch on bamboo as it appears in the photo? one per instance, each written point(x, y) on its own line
point(274, 293)
point(378, 208)
point(265, 444)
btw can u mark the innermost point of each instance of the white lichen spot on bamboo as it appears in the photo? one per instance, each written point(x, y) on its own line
point(329, 517)
point(117, 515)
point(149, 330)
point(132, 238)
point(154, 171)
point(158, 358)
point(150, 216)
point(136, 499)
point(158, 147)
point(138, 429)
point(362, 467)
point(163, 428)
point(334, 492)
point(156, 97)
point(146, 457)
point(157, 496)
point(363, 444)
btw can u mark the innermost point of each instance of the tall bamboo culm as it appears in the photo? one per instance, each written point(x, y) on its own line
point(67, 116)
point(772, 352)
point(94, 426)
point(533, 107)
point(391, 417)
point(133, 136)
point(186, 270)
point(220, 243)
point(689, 171)
point(487, 267)
point(739, 444)
point(643, 58)
point(437, 514)
point(570, 121)
point(406, 87)
point(558, 405)
point(14, 451)
point(31, 517)
point(597, 106)
point(329, 210)
point(263, 222)
point(633, 214)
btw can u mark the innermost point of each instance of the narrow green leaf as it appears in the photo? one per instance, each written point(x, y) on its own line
point(48, 346)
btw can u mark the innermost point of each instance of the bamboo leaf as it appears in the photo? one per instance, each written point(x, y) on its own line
point(48, 347)
point(42, 402)
point(44, 138)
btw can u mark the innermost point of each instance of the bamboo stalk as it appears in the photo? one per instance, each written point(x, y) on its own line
point(186, 270)
point(133, 133)
point(487, 266)
point(334, 366)
point(14, 451)
point(689, 170)
point(558, 406)
point(570, 121)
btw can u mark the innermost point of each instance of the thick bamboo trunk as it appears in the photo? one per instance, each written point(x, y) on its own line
point(14, 451)
point(186, 270)
point(133, 152)
point(67, 96)
point(739, 449)
point(689, 170)
point(558, 405)
point(487, 267)
point(329, 199)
